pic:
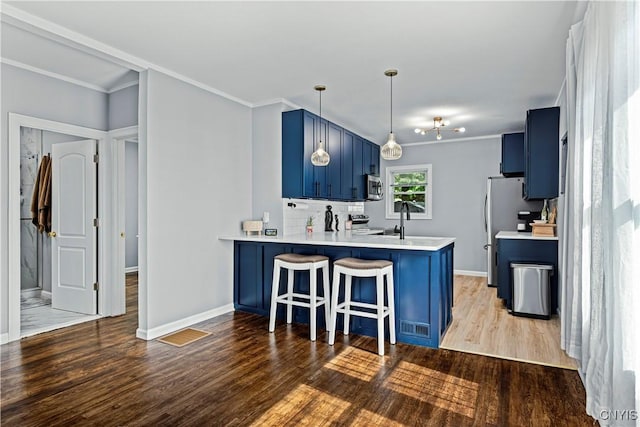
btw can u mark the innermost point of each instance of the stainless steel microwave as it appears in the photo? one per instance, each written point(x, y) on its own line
point(374, 187)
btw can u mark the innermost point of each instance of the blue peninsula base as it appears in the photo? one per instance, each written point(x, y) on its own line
point(423, 286)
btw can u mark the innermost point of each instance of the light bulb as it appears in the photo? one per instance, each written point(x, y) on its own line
point(418, 130)
point(445, 123)
point(461, 130)
point(439, 137)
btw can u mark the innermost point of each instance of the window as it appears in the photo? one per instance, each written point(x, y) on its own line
point(411, 184)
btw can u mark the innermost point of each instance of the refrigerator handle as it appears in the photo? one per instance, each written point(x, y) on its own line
point(485, 211)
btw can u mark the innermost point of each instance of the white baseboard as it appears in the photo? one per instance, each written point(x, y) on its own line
point(46, 294)
point(471, 273)
point(167, 328)
point(131, 269)
point(4, 338)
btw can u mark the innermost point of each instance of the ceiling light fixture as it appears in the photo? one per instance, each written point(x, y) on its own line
point(391, 150)
point(320, 157)
point(438, 124)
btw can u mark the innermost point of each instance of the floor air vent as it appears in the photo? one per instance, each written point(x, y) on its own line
point(417, 329)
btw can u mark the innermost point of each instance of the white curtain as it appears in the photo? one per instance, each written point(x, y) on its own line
point(600, 311)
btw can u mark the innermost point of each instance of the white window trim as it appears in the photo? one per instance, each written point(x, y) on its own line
point(390, 170)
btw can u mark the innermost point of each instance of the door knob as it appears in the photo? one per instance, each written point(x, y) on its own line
point(52, 234)
point(122, 234)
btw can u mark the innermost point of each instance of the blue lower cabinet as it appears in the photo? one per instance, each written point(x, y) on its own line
point(423, 284)
point(526, 251)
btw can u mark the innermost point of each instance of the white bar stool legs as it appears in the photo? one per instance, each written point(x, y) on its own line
point(380, 269)
point(293, 262)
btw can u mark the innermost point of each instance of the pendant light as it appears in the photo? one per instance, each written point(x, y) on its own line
point(391, 150)
point(320, 157)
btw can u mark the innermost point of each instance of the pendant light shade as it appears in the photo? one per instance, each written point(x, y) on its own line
point(391, 150)
point(320, 157)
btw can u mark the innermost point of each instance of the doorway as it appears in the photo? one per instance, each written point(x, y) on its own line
point(58, 197)
point(111, 296)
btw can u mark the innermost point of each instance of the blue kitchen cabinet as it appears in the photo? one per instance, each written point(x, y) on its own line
point(541, 148)
point(527, 251)
point(334, 168)
point(375, 159)
point(300, 133)
point(423, 282)
point(357, 173)
point(343, 178)
point(370, 158)
point(512, 164)
point(348, 190)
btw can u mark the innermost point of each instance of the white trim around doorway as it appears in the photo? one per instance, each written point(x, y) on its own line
point(117, 139)
point(106, 200)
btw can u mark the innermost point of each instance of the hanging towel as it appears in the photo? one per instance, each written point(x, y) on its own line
point(41, 198)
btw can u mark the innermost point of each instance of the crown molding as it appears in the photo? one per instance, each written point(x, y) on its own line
point(34, 24)
point(276, 101)
point(124, 86)
point(53, 75)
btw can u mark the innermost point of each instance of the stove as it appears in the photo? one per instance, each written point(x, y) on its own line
point(360, 225)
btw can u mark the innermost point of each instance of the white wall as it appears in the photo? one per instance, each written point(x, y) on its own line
point(123, 108)
point(460, 171)
point(131, 204)
point(266, 130)
point(195, 184)
point(39, 96)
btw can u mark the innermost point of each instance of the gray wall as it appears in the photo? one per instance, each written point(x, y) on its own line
point(123, 108)
point(267, 164)
point(131, 204)
point(35, 95)
point(460, 171)
point(195, 151)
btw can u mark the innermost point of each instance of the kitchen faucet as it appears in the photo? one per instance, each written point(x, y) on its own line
point(402, 208)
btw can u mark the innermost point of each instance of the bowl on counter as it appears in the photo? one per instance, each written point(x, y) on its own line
point(539, 221)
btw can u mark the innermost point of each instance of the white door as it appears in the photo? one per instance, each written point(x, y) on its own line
point(73, 234)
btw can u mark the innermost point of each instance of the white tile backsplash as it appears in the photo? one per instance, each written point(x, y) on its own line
point(295, 218)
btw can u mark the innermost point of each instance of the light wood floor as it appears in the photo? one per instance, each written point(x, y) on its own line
point(98, 374)
point(482, 325)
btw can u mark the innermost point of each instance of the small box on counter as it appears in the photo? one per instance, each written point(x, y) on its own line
point(543, 230)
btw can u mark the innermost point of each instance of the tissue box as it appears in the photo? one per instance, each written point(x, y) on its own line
point(252, 227)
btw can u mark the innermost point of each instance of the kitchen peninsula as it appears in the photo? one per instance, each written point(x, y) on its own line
point(423, 278)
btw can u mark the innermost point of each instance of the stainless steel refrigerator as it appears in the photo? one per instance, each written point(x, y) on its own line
point(502, 203)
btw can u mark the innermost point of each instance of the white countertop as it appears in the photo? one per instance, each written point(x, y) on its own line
point(345, 238)
point(522, 235)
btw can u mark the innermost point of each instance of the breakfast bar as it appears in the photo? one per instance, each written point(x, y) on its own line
point(422, 271)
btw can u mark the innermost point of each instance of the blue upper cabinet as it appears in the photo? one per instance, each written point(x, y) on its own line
point(334, 169)
point(300, 133)
point(371, 158)
point(541, 148)
point(351, 158)
point(512, 154)
point(357, 174)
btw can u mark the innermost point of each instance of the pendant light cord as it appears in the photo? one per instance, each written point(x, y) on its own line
point(391, 105)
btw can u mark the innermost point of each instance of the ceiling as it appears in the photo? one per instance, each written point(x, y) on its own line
point(479, 64)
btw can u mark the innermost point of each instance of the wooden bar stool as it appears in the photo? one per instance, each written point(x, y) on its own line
point(293, 262)
point(363, 268)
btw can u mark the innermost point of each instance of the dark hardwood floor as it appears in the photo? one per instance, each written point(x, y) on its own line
point(98, 373)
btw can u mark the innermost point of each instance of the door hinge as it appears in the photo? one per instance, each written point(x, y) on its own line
point(96, 157)
point(96, 222)
point(95, 286)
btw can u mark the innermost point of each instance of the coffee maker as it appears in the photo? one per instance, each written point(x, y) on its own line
point(525, 218)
